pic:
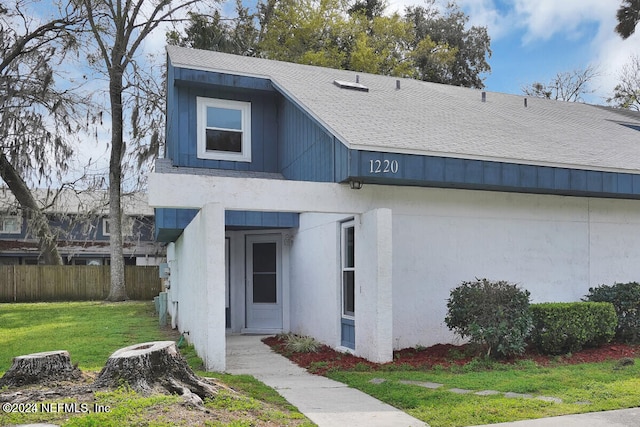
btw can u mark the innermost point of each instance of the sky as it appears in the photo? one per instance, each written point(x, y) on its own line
point(531, 41)
point(534, 40)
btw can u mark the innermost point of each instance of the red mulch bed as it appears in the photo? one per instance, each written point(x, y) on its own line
point(444, 355)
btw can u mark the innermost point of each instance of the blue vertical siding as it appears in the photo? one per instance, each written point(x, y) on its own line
point(347, 333)
point(170, 223)
point(431, 171)
point(307, 150)
point(285, 139)
point(288, 140)
point(183, 143)
point(184, 86)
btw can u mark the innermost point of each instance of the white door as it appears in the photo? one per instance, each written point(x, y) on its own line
point(264, 282)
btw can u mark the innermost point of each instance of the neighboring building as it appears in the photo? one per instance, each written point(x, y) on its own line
point(79, 220)
point(346, 206)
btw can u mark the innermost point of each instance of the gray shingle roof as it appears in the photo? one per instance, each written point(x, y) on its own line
point(441, 120)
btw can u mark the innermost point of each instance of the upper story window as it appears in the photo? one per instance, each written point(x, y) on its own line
point(10, 224)
point(127, 226)
point(224, 129)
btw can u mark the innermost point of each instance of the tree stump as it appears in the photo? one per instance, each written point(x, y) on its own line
point(38, 368)
point(151, 366)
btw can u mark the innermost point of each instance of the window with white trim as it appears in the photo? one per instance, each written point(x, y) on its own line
point(224, 129)
point(127, 226)
point(106, 227)
point(10, 224)
point(348, 269)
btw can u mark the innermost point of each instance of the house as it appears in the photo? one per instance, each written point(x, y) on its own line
point(346, 206)
point(79, 221)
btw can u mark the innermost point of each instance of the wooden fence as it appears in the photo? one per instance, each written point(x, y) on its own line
point(31, 283)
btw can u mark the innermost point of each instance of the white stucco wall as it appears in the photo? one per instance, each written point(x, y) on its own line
point(374, 285)
point(197, 281)
point(315, 277)
point(554, 246)
point(149, 260)
point(614, 234)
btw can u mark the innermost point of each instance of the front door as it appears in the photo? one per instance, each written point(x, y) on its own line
point(264, 283)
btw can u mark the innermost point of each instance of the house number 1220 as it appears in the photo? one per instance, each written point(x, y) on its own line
point(383, 166)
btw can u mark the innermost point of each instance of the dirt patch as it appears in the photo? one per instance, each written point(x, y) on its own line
point(64, 400)
point(444, 355)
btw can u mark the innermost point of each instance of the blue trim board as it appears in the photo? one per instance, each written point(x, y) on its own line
point(170, 223)
point(288, 139)
point(186, 76)
point(431, 171)
point(347, 333)
point(250, 219)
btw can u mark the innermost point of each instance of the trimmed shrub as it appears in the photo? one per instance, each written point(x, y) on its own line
point(567, 327)
point(492, 314)
point(625, 298)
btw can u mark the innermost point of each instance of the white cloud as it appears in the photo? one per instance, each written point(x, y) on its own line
point(543, 19)
point(611, 53)
point(590, 22)
point(587, 23)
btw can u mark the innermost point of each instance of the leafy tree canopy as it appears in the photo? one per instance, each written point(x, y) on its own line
point(628, 17)
point(424, 43)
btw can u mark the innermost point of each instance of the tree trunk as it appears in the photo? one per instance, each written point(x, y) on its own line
point(154, 366)
point(39, 221)
point(117, 291)
point(38, 368)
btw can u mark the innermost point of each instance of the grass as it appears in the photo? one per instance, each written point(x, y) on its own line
point(91, 332)
point(586, 387)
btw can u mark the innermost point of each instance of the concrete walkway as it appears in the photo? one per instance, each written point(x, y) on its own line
point(326, 402)
point(329, 403)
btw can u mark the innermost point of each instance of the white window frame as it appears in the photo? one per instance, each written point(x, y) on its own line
point(17, 218)
point(105, 225)
point(127, 226)
point(344, 268)
point(244, 108)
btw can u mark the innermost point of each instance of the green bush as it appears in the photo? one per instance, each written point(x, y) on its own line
point(567, 327)
point(492, 314)
point(625, 298)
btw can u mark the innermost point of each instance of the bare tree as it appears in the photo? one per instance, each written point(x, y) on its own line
point(565, 86)
point(35, 115)
point(119, 28)
point(626, 94)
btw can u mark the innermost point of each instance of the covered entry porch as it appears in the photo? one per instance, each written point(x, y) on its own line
point(217, 272)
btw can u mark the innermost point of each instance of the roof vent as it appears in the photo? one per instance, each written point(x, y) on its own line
point(484, 96)
point(398, 84)
point(350, 85)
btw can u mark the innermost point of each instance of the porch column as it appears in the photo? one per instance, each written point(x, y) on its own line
point(213, 259)
point(373, 293)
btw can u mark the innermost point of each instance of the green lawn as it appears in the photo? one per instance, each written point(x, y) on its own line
point(582, 388)
point(91, 332)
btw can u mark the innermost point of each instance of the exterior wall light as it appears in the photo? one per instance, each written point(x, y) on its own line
point(355, 185)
